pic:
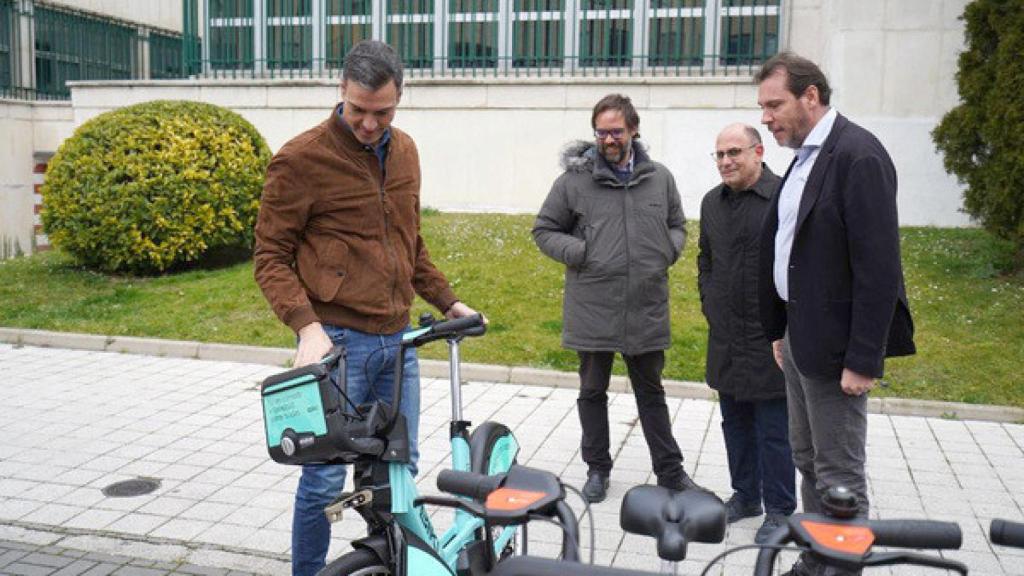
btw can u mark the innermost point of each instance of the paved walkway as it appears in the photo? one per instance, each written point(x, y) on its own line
point(73, 422)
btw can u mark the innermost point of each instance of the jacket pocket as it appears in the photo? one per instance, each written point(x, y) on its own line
point(323, 269)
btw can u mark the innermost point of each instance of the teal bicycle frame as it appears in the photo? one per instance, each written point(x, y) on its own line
point(427, 554)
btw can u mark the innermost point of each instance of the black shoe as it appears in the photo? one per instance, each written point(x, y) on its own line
point(682, 483)
point(736, 509)
point(596, 488)
point(772, 521)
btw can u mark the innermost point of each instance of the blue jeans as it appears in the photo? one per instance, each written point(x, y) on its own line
point(760, 459)
point(370, 370)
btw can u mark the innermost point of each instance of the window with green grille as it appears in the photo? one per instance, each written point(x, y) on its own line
point(676, 33)
point(538, 33)
point(410, 30)
point(750, 31)
point(606, 32)
point(289, 34)
point(473, 33)
point(347, 22)
point(230, 26)
point(71, 46)
point(7, 52)
point(164, 56)
point(555, 36)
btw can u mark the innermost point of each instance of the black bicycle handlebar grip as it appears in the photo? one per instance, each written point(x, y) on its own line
point(468, 484)
point(1006, 533)
point(333, 355)
point(922, 534)
point(458, 324)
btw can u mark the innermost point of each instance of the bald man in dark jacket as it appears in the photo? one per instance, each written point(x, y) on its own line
point(751, 387)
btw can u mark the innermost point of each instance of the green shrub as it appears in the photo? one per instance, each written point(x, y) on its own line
point(982, 139)
point(150, 186)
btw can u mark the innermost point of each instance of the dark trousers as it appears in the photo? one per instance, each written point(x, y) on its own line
point(760, 460)
point(645, 376)
point(828, 432)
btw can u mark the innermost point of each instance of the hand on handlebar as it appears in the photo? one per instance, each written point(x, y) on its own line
point(314, 344)
point(460, 310)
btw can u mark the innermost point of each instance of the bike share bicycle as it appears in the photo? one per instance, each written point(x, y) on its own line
point(310, 419)
point(675, 519)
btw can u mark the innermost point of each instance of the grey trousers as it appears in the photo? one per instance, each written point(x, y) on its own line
point(828, 432)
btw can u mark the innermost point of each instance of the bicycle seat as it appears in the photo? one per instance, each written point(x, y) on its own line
point(673, 518)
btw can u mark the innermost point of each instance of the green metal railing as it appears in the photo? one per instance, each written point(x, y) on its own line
point(165, 56)
point(70, 46)
point(44, 46)
point(10, 61)
point(289, 38)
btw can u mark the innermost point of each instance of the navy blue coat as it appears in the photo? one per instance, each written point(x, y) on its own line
point(847, 301)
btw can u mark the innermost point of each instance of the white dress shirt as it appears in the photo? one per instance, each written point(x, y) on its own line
point(789, 199)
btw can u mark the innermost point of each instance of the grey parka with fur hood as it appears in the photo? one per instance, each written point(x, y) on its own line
point(617, 240)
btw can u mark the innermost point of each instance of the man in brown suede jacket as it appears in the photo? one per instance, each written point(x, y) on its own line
point(339, 257)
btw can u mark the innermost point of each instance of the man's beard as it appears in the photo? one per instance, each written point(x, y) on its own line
point(615, 154)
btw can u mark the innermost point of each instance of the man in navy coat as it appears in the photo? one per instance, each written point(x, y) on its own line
point(831, 288)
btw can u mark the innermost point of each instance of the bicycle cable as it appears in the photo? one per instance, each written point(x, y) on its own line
point(716, 559)
point(590, 518)
point(549, 520)
point(366, 377)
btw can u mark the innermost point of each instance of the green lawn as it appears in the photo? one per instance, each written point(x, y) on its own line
point(970, 320)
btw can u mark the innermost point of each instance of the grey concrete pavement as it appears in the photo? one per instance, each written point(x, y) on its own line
point(75, 421)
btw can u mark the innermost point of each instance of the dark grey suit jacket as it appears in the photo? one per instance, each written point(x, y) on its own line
point(847, 301)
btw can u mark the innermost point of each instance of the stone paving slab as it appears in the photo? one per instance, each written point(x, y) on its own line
point(75, 421)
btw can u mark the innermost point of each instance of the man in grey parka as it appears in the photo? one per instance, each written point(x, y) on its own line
point(615, 220)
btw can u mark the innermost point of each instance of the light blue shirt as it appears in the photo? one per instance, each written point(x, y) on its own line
point(789, 199)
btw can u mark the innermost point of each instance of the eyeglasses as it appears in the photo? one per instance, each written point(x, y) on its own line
point(718, 155)
point(615, 133)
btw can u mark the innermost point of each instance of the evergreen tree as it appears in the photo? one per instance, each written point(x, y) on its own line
point(982, 139)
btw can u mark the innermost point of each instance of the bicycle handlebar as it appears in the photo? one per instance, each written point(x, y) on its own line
point(921, 534)
point(835, 540)
point(472, 325)
point(1006, 533)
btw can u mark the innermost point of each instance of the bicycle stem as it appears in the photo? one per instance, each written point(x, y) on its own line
point(455, 375)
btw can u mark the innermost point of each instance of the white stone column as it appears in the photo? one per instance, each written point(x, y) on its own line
point(259, 37)
point(440, 34)
point(142, 52)
point(571, 36)
point(318, 43)
point(712, 29)
point(24, 42)
point(641, 29)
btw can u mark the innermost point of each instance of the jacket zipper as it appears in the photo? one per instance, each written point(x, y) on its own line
point(392, 255)
point(629, 268)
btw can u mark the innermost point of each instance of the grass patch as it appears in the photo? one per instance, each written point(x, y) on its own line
point(970, 319)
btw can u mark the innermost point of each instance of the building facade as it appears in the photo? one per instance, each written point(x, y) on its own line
point(495, 88)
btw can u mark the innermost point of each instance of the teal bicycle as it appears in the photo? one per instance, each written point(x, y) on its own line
point(309, 419)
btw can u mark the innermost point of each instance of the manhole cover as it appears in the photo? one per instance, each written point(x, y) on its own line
point(127, 488)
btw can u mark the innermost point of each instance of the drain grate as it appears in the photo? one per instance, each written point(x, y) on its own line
point(129, 488)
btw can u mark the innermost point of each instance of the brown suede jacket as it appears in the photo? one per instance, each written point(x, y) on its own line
point(335, 242)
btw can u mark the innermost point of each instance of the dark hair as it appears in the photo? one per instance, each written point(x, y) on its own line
point(373, 64)
point(617, 102)
point(753, 134)
point(801, 74)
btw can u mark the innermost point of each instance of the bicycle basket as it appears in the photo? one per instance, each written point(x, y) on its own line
point(308, 419)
